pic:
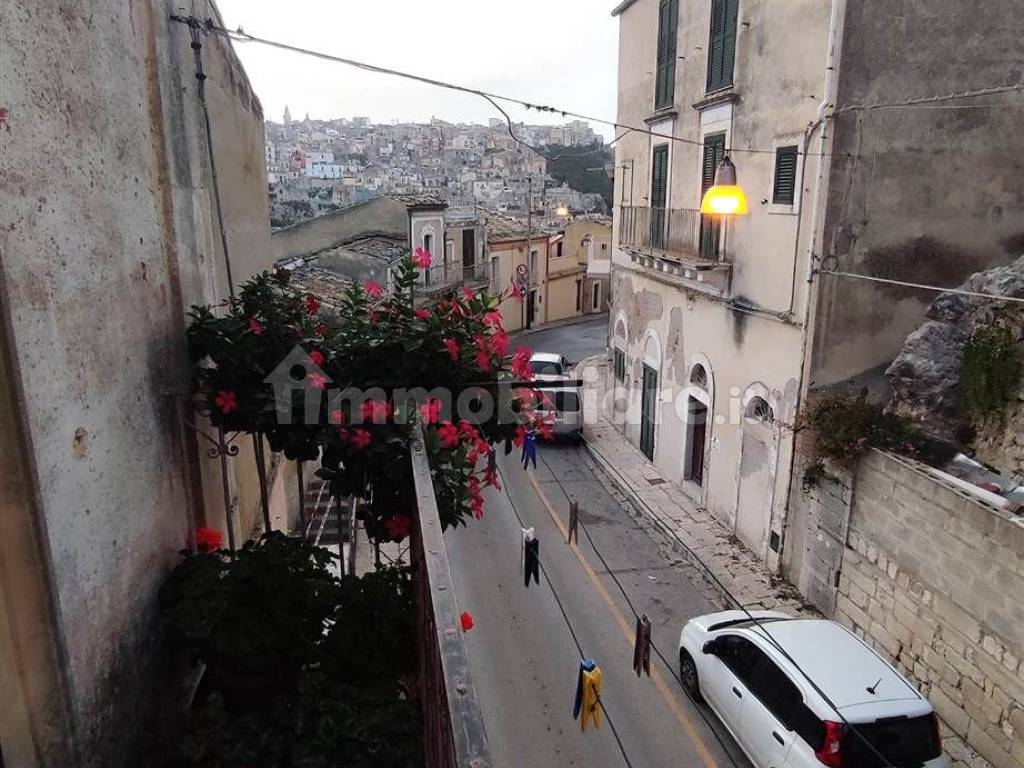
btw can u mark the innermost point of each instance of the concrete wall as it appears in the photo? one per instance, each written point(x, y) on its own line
point(511, 254)
point(921, 194)
point(380, 216)
point(932, 578)
point(103, 250)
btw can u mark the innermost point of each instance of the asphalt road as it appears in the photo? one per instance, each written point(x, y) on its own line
point(575, 341)
point(523, 654)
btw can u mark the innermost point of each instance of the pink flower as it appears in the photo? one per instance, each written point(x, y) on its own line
point(520, 437)
point(226, 401)
point(521, 364)
point(317, 357)
point(499, 343)
point(422, 258)
point(430, 411)
point(312, 304)
point(317, 381)
point(493, 318)
point(491, 479)
point(376, 411)
point(448, 433)
point(468, 430)
point(468, 293)
point(319, 329)
point(453, 349)
point(361, 438)
point(336, 417)
point(373, 289)
point(255, 327)
point(422, 314)
point(398, 527)
point(483, 360)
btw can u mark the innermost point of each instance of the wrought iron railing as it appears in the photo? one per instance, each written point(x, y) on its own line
point(678, 232)
point(453, 725)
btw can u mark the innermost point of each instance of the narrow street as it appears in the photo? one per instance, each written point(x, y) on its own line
point(524, 655)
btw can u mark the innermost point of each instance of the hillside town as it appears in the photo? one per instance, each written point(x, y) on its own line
point(318, 166)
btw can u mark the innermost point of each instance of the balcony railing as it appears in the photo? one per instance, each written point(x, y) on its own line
point(680, 233)
point(453, 724)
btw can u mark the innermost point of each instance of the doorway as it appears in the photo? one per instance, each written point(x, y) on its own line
point(531, 309)
point(696, 437)
point(648, 416)
point(757, 476)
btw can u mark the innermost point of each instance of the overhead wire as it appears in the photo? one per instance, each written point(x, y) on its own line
point(565, 618)
point(740, 606)
point(923, 286)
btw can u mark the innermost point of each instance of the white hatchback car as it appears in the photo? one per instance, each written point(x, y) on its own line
point(548, 366)
point(754, 675)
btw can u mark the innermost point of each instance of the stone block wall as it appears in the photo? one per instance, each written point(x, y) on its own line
point(934, 580)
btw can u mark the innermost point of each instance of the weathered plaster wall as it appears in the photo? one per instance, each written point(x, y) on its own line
point(104, 246)
point(921, 195)
point(380, 216)
point(932, 579)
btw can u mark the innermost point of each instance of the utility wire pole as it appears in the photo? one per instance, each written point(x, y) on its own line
point(529, 261)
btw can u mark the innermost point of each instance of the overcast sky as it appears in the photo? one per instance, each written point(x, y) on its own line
point(556, 52)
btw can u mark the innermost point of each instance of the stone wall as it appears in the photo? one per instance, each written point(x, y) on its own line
point(934, 580)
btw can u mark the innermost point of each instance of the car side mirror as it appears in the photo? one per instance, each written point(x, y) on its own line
point(710, 647)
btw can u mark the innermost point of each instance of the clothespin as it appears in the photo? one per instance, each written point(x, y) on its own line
point(574, 521)
point(528, 535)
point(530, 449)
point(642, 646)
point(587, 706)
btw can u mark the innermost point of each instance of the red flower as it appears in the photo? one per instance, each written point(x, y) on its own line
point(483, 360)
point(423, 314)
point(493, 318)
point(376, 411)
point(312, 304)
point(468, 430)
point(499, 343)
point(422, 258)
point(373, 289)
point(336, 417)
point(491, 479)
point(398, 527)
point(317, 357)
point(466, 620)
point(255, 327)
point(226, 401)
point(430, 411)
point(361, 438)
point(521, 364)
point(468, 293)
point(453, 349)
point(317, 381)
point(319, 329)
point(448, 434)
point(208, 539)
point(520, 437)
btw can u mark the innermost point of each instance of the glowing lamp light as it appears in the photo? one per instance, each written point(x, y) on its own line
point(562, 211)
point(725, 197)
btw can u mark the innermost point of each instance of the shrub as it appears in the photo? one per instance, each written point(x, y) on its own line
point(989, 373)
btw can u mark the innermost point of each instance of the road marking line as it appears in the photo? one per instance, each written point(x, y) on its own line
point(705, 754)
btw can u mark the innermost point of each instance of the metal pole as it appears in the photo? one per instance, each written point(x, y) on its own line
point(529, 238)
point(228, 511)
point(341, 545)
point(302, 501)
point(261, 468)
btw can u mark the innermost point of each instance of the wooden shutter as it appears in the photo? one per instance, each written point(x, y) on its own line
point(722, 47)
point(659, 176)
point(784, 188)
point(668, 24)
point(710, 226)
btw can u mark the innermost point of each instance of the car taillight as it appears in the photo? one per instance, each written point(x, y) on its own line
point(830, 752)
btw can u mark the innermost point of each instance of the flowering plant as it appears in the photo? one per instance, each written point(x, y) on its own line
point(371, 367)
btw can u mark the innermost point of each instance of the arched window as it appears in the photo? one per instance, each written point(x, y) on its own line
point(699, 377)
point(758, 410)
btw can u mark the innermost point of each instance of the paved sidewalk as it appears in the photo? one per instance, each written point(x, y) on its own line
point(701, 538)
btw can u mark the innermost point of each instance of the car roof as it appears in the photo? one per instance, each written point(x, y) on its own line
point(838, 662)
point(546, 357)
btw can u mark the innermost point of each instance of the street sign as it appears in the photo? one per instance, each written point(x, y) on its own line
point(521, 270)
point(522, 291)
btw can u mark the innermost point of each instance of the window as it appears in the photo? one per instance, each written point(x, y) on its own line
point(722, 48)
point(619, 364)
point(558, 250)
point(665, 81)
point(699, 377)
point(495, 272)
point(533, 266)
point(659, 196)
point(579, 295)
point(710, 226)
point(758, 411)
point(784, 186)
point(596, 299)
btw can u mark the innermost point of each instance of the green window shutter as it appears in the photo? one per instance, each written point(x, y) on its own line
point(722, 46)
point(659, 176)
point(668, 23)
point(784, 188)
point(710, 226)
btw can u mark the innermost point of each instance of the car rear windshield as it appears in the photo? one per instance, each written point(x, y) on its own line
point(546, 368)
point(902, 742)
point(562, 401)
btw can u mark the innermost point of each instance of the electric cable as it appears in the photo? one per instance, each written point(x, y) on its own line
point(565, 615)
point(937, 288)
point(750, 617)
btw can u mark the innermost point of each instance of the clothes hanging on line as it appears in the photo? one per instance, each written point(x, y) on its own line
point(587, 706)
point(642, 647)
point(530, 557)
point(530, 449)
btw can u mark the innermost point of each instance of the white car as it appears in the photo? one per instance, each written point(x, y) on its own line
point(548, 366)
point(564, 405)
point(752, 675)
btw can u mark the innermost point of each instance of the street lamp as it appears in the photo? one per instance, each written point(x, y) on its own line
point(725, 197)
point(562, 211)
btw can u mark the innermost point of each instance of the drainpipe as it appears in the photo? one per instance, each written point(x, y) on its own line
point(826, 110)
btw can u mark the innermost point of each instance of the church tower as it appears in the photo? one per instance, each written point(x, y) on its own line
point(287, 116)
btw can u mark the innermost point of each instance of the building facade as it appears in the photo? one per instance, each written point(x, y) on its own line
point(579, 264)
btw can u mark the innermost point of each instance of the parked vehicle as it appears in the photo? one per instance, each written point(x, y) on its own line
point(548, 366)
point(756, 676)
point(564, 404)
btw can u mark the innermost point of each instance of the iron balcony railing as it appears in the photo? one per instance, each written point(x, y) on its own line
point(680, 233)
point(453, 724)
